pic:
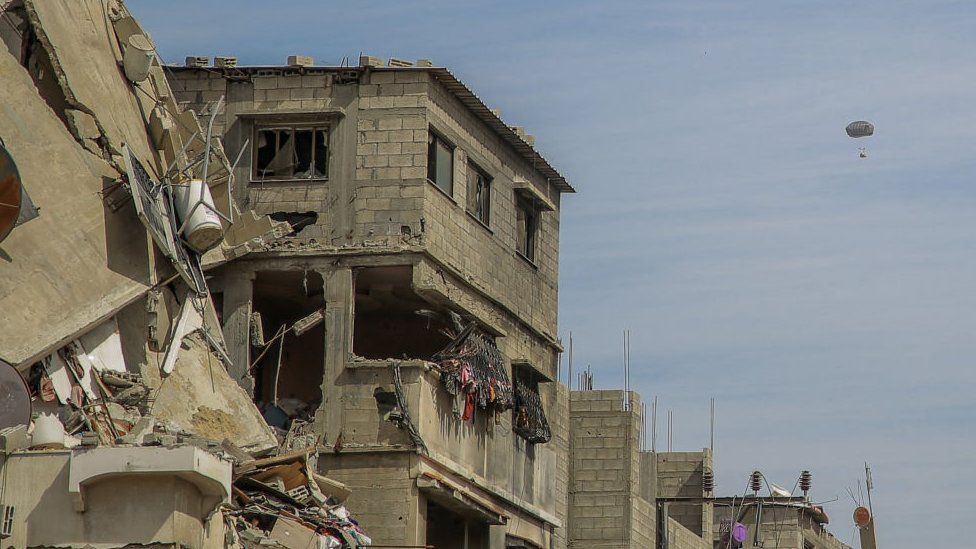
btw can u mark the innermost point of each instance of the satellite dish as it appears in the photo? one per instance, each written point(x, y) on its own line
point(10, 194)
point(15, 402)
point(862, 517)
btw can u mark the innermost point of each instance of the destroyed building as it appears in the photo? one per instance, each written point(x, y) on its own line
point(297, 306)
point(411, 315)
point(119, 422)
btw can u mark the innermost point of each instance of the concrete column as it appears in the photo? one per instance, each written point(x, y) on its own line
point(496, 537)
point(340, 300)
point(238, 295)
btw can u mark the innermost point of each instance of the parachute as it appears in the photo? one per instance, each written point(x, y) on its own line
point(857, 129)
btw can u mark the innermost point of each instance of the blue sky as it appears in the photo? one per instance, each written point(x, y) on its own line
point(723, 216)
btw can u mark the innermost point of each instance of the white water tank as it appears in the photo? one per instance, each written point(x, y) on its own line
point(203, 231)
point(48, 432)
point(137, 58)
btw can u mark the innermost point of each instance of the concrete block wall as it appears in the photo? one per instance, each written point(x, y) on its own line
point(377, 194)
point(680, 537)
point(377, 197)
point(488, 253)
point(605, 508)
point(283, 91)
point(679, 475)
point(385, 500)
point(391, 158)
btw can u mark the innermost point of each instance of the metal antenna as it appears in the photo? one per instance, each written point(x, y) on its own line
point(711, 428)
point(654, 425)
point(570, 377)
point(230, 180)
point(869, 482)
point(670, 427)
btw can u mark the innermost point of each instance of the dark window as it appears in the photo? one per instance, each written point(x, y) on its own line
point(479, 193)
point(291, 152)
point(526, 227)
point(440, 163)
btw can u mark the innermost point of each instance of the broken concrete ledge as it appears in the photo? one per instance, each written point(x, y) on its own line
point(209, 473)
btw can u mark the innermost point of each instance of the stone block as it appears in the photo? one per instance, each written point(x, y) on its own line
point(390, 123)
point(382, 77)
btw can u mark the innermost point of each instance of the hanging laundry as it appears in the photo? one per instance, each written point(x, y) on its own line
point(472, 366)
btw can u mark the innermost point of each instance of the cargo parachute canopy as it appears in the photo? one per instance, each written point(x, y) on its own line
point(860, 128)
point(10, 194)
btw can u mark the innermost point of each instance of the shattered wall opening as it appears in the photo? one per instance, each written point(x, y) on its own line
point(391, 320)
point(288, 340)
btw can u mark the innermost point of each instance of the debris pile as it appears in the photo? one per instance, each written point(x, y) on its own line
point(80, 400)
point(282, 502)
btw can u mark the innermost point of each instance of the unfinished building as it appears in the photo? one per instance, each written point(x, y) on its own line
point(412, 312)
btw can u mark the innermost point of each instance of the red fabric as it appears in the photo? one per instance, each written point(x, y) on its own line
point(468, 407)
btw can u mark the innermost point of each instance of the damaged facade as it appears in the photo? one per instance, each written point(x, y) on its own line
point(120, 423)
point(296, 306)
point(411, 316)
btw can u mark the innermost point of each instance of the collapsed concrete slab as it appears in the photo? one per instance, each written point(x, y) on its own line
point(199, 397)
point(76, 263)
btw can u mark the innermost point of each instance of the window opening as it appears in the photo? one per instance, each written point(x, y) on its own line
point(479, 193)
point(440, 163)
point(291, 152)
point(527, 227)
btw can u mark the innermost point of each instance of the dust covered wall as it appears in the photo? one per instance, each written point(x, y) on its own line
point(386, 500)
point(377, 197)
point(101, 258)
point(131, 510)
point(605, 507)
point(373, 194)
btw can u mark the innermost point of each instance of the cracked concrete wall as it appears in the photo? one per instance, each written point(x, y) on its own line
point(78, 262)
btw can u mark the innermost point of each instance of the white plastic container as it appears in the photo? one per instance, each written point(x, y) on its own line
point(203, 231)
point(138, 58)
point(48, 432)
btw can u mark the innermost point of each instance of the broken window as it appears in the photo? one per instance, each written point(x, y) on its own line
point(291, 152)
point(391, 320)
point(440, 163)
point(479, 193)
point(528, 417)
point(526, 227)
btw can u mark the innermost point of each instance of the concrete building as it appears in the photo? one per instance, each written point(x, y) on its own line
point(411, 200)
point(782, 522)
point(620, 494)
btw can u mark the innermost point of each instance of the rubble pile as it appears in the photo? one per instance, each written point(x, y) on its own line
point(281, 501)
